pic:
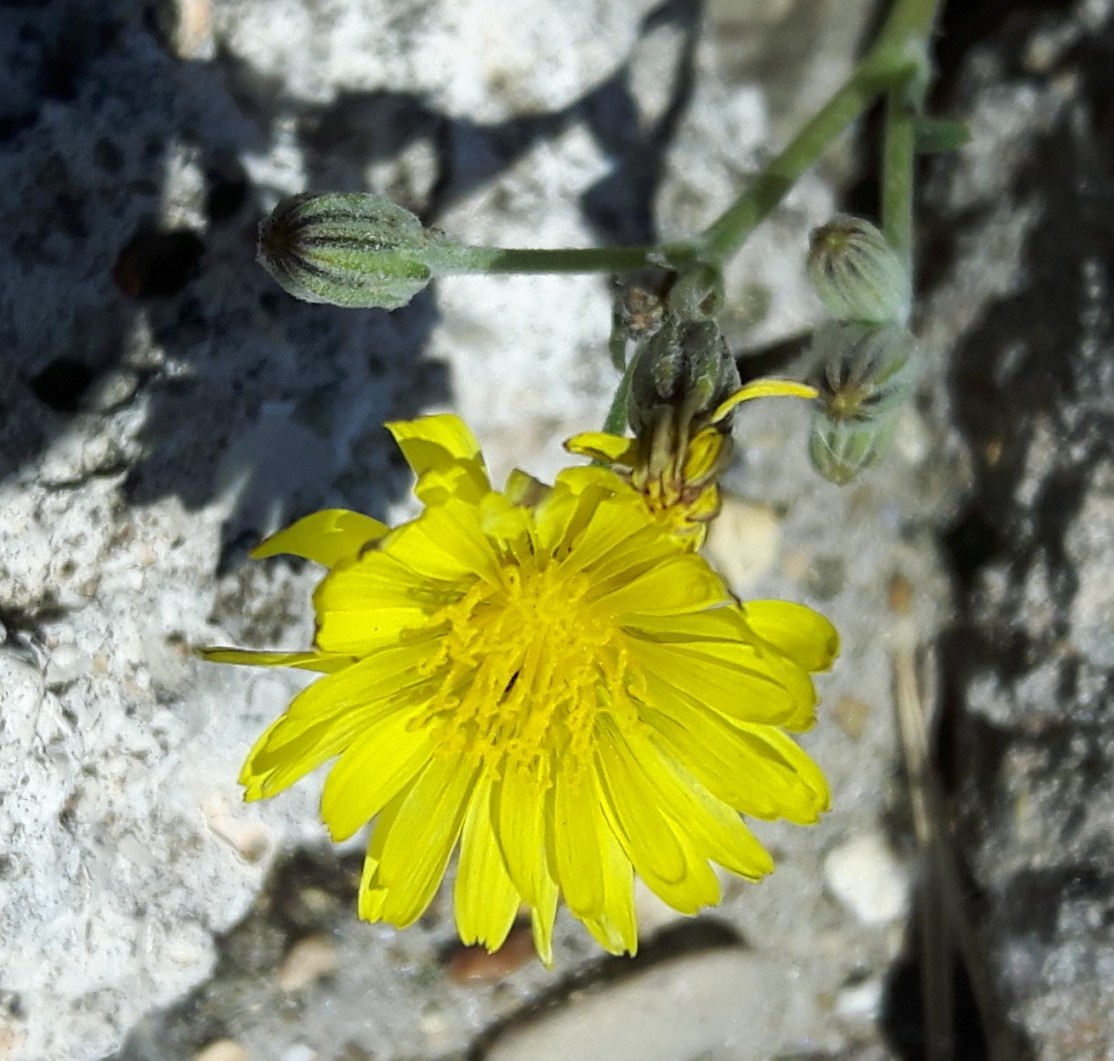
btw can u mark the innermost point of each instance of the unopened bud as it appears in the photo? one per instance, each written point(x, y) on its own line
point(867, 372)
point(350, 249)
point(857, 274)
point(685, 367)
point(842, 451)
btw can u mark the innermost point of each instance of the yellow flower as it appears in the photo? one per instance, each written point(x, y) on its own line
point(549, 680)
point(676, 464)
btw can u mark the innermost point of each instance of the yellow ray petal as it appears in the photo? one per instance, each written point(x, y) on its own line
point(381, 761)
point(676, 584)
point(763, 388)
point(740, 681)
point(617, 542)
point(325, 717)
point(663, 856)
point(421, 837)
point(803, 635)
point(434, 441)
point(447, 543)
point(326, 537)
point(577, 841)
point(588, 863)
point(522, 489)
point(755, 769)
point(485, 899)
point(598, 445)
point(369, 902)
point(365, 606)
point(616, 928)
point(704, 453)
point(444, 455)
point(542, 915)
point(518, 807)
point(323, 662)
point(713, 828)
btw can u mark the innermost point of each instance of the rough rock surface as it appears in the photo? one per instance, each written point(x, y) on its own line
point(164, 405)
point(1024, 307)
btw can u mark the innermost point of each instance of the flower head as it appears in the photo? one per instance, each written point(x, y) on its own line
point(548, 680)
point(675, 461)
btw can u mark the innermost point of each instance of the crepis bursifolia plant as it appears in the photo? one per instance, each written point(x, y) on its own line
point(549, 680)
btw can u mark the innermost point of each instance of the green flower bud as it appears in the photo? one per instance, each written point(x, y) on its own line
point(685, 368)
point(865, 369)
point(841, 451)
point(857, 274)
point(350, 249)
point(867, 372)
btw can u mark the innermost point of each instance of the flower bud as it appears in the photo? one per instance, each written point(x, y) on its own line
point(857, 274)
point(349, 249)
point(686, 368)
point(867, 372)
point(841, 451)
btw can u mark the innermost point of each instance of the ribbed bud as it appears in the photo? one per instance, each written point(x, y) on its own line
point(857, 274)
point(349, 249)
point(686, 368)
point(841, 451)
point(867, 372)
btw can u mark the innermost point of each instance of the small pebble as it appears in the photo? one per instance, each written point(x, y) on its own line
point(114, 389)
point(66, 663)
point(249, 839)
point(868, 879)
point(474, 967)
point(719, 1003)
point(860, 1002)
point(187, 27)
point(222, 1050)
point(743, 542)
point(308, 961)
point(851, 715)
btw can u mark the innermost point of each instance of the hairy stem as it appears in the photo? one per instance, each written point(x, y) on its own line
point(544, 260)
point(898, 54)
point(898, 157)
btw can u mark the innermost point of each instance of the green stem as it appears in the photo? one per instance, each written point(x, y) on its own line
point(898, 53)
point(543, 260)
point(898, 156)
point(730, 230)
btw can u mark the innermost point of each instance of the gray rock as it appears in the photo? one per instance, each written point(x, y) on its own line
point(723, 1004)
point(1024, 313)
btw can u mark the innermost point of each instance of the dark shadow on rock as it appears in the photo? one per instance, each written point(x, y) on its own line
point(360, 129)
point(1025, 714)
point(167, 337)
point(106, 312)
point(903, 1018)
point(307, 893)
point(313, 892)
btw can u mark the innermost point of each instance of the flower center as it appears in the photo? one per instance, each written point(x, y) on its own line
point(525, 666)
